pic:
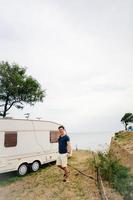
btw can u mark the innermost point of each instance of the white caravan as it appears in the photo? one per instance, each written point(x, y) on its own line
point(27, 144)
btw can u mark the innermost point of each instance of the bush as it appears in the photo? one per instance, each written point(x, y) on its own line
point(116, 174)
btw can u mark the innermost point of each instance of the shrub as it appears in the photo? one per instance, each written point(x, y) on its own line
point(116, 174)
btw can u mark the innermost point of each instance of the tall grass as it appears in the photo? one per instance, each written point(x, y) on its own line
point(116, 174)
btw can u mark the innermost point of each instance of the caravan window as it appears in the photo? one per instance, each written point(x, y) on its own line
point(54, 136)
point(10, 139)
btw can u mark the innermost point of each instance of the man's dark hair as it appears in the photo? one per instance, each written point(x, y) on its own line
point(61, 127)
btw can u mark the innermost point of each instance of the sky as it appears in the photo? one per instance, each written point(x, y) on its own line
point(80, 51)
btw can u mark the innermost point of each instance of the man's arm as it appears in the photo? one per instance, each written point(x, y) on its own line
point(69, 147)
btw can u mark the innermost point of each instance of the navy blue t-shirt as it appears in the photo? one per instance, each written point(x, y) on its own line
point(63, 143)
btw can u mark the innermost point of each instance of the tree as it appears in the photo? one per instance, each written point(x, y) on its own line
point(16, 88)
point(127, 118)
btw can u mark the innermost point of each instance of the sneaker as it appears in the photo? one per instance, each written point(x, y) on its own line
point(66, 180)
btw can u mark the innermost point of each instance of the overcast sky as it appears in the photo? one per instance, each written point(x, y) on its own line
point(81, 53)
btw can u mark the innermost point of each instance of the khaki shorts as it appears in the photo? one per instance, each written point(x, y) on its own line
point(62, 159)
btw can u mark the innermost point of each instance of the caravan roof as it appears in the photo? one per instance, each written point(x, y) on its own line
point(27, 125)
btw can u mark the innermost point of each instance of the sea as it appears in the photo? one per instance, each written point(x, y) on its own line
point(92, 140)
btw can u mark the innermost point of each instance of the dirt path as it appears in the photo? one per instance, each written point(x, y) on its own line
point(47, 184)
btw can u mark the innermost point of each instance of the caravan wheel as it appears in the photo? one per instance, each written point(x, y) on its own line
point(23, 169)
point(35, 166)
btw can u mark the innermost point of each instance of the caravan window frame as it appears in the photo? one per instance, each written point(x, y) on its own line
point(54, 136)
point(10, 139)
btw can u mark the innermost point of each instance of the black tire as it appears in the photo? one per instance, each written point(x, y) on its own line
point(23, 169)
point(35, 166)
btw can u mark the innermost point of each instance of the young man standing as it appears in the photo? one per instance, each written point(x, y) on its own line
point(65, 150)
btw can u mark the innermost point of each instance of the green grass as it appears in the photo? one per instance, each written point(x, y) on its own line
point(12, 177)
point(116, 174)
point(123, 137)
point(8, 178)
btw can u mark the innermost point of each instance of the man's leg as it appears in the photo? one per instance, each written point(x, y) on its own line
point(62, 164)
point(60, 167)
point(66, 173)
point(66, 170)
